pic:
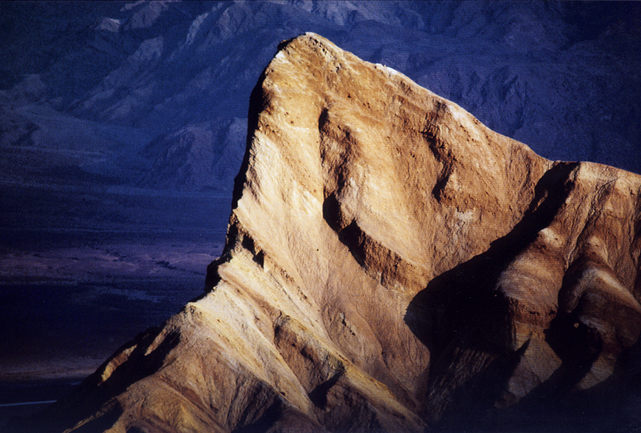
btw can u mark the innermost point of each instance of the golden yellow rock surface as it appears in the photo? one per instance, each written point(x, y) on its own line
point(386, 251)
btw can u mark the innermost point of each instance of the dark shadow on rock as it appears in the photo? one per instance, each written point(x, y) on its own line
point(462, 307)
point(476, 399)
point(318, 395)
point(351, 235)
point(613, 405)
point(102, 423)
point(272, 414)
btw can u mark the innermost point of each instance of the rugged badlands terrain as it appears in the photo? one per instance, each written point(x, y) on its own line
point(391, 265)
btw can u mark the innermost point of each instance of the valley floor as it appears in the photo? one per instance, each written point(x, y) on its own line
point(68, 300)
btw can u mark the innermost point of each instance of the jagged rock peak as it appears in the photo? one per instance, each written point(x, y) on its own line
point(390, 264)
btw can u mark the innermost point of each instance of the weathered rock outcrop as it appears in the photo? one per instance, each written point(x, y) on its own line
point(391, 263)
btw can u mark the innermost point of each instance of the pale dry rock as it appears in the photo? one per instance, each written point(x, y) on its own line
point(387, 255)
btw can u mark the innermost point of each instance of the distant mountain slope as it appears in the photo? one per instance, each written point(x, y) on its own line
point(563, 77)
point(391, 264)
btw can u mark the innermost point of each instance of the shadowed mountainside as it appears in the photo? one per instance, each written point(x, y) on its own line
point(116, 87)
point(390, 264)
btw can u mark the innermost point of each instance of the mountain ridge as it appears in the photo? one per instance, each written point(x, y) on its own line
point(387, 257)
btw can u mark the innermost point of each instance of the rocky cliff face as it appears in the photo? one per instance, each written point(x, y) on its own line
point(391, 264)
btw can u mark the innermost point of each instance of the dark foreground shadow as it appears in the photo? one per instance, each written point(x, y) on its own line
point(95, 396)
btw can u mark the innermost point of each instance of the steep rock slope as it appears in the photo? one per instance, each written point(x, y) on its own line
point(390, 261)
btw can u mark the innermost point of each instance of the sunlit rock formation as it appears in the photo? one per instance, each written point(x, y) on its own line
point(391, 264)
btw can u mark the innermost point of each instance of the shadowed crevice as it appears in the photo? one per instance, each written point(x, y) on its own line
point(577, 344)
point(350, 235)
point(477, 398)
point(556, 406)
point(272, 414)
point(318, 395)
point(332, 212)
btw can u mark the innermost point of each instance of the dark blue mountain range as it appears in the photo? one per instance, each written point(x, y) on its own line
point(154, 95)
